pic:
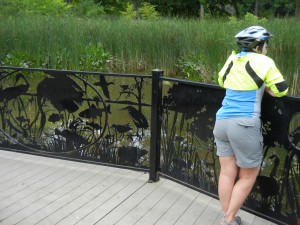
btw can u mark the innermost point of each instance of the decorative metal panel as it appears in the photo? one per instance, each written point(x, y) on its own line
point(105, 118)
point(188, 152)
point(88, 116)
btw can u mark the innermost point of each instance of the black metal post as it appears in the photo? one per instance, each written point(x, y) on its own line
point(155, 125)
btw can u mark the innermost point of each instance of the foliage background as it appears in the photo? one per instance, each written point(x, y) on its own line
point(138, 36)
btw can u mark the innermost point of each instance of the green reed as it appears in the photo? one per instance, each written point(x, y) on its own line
point(139, 46)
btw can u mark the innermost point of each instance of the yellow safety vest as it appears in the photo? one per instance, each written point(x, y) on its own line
point(250, 72)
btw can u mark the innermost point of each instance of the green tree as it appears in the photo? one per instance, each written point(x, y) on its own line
point(268, 8)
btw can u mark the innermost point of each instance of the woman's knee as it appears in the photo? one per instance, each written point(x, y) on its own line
point(228, 167)
point(249, 173)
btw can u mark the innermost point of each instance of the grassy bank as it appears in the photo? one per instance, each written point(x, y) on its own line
point(178, 46)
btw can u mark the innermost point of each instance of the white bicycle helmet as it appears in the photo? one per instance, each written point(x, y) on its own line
point(252, 36)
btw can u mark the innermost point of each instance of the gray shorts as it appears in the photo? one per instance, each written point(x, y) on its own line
point(242, 138)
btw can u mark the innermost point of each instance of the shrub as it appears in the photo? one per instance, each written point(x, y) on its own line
point(193, 68)
point(129, 12)
point(148, 11)
point(95, 58)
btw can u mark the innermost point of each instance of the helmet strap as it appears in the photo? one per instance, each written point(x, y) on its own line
point(264, 50)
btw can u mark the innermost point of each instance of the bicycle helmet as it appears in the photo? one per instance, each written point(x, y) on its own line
point(250, 37)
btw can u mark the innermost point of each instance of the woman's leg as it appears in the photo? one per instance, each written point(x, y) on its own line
point(227, 178)
point(241, 190)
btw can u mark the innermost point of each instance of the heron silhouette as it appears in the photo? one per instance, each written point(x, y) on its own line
point(11, 93)
point(137, 117)
point(268, 186)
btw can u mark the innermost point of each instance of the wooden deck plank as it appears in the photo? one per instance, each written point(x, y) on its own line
point(26, 206)
point(136, 213)
point(37, 189)
point(195, 209)
point(210, 214)
point(260, 221)
point(21, 176)
point(178, 208)
point(40, 216)
point(110, 188)
point(161, 207)
point(111, 203)
point(8, 169)
point(49, 212)
point(102, 181)
point(48, 191)
point(131, 202)
point(6, 164)
point(27, 183)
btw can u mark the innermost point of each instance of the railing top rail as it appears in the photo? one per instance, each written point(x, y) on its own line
point(208, 85)
point(75, 72)
point(200, 84)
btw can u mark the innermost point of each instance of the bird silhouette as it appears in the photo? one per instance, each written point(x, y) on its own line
point(104, 85)
point(15, 91)
point(267, 186)
point(121, 129)
point(124, 87)
point(137, 117)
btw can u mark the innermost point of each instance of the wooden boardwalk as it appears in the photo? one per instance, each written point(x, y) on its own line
point(41, 190)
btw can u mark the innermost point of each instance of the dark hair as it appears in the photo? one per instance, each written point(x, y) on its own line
point(260, 46)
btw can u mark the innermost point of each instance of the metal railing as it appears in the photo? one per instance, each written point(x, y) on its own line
point(185, 143)
point(97, 117)
point(150, 123)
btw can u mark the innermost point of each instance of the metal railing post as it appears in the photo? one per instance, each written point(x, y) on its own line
point(155, 125)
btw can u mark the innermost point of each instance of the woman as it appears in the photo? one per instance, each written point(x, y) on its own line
point(245, 76)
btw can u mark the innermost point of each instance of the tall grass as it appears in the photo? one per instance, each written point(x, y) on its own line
point(139, 46)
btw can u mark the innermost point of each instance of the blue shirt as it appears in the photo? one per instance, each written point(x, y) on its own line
point(241, 104)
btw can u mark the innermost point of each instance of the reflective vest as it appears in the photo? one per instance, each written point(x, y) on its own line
point(250, 72)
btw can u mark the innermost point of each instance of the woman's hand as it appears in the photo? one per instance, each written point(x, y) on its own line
point(270, 92)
